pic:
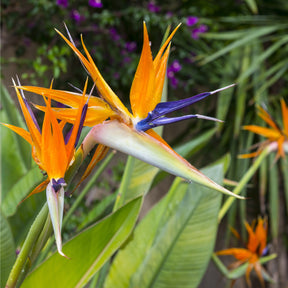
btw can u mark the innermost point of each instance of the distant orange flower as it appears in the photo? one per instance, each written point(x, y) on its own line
point(274, 134)
point(255, 248)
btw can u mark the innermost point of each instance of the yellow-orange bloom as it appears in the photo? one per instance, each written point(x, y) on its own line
point(274, 133)
point(52, 153)
point(130, 132)
point(255, 248)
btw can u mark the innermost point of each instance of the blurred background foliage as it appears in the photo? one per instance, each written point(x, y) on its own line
point(219, 43)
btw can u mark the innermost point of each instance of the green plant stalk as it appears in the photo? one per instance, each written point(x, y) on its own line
point(41, 241)
point(247, 176)
point(32, 236)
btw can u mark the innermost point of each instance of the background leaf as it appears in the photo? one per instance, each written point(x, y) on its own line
point(88, 251)
point(7, 249)
point(172, 245)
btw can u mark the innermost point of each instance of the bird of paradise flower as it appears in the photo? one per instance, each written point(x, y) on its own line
point(277, 138)
point(52, 152)
point(116, 127)
point(255, 248)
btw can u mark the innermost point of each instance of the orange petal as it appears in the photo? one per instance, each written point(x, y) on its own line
point(53, 154)
point(253, 241)
point(70, 146)
point(247, 274)
point(249, 155)
point(95, 114)
point(38, 189)
point(103, 88)
point(99, 154)
point(141, 94)
point(239, 253)
point(160, 77)
point(20, 131)
point(261, 234)
point(267, 132)
point(267, 118)
point(65, 97)
point(285, 116)
point(163, 47)
point(34, 132)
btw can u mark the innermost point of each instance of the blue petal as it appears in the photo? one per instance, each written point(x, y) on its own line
point(156, 117)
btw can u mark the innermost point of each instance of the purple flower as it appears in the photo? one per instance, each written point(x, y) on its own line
point(62, 3)
point(131, 46)
point(191, 20)
point(199, 30)
point(170, 73)
point(203, 28)
point(114, 34)
point(175, 66)
point(95, 3)
point(116, 75)
point(169, 14)
point(75, 15)
point(152, 7)
point(126, 60)
point(174, 82)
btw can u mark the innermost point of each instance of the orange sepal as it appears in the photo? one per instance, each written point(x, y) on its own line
point(53, 153)
point(284, 108)
point(38, 189)
point(267, 118)
point(239, 253)
point(99, 154)
point(267, 132)
point(20, 131)
point(142, 89)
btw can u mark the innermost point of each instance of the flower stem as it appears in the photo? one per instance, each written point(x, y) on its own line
point(247, 176)
point(31, 238)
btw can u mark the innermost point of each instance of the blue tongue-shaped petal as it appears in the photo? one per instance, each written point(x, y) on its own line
point(156, 117)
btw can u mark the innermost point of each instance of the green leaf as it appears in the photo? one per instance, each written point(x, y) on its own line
point(12, 166)
point(97, 211)
point(136, 180)
point(252, 6)
point(284, 167)
point(173, 244)
point(88, 251)
point(261, 58)
point(14, 117)
point(274, 197)
point(20, 189)
point(253, 34)
point(7, 249)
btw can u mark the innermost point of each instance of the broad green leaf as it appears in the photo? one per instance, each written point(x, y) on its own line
point(12, 166)
point(98, 210)
point(7, 249)
point(173, 244)
point(88, 251)
point(188, 149)
point(14, 117)
point(22, 187)
point(21, 221)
